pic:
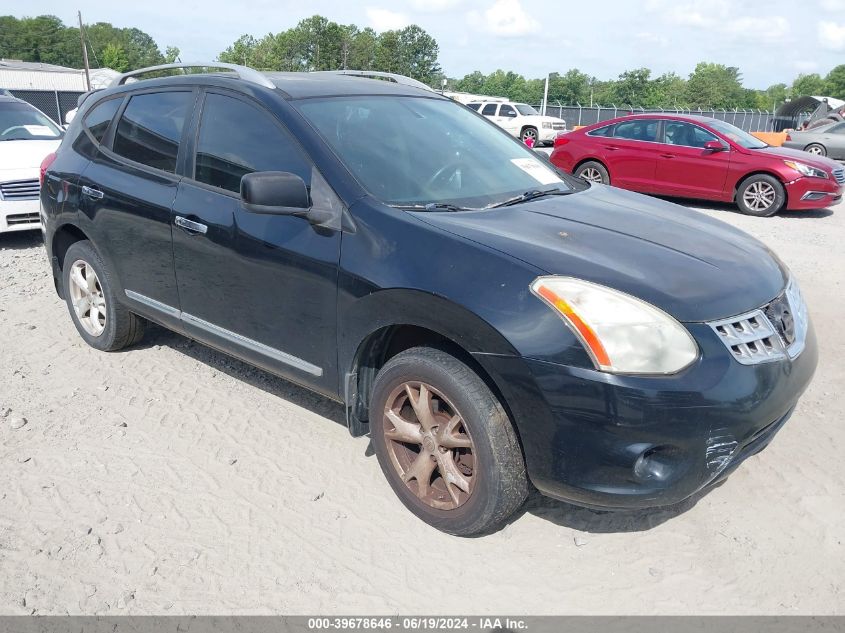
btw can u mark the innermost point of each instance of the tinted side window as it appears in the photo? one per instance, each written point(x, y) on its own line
point(474, 106)
point(643, 130)
point(507, 110)
point(98, 118)
point(489, 109)
point(607, 130)
point(150, 128)
point(837, 129)
point(237, 138)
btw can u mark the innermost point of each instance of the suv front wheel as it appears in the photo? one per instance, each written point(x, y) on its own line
point(445, 444)
point(101, 321)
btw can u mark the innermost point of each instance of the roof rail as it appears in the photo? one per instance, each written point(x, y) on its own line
point(247, 74)
point(377, 74)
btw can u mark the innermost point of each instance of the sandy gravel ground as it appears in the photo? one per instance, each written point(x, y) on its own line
point(171, 479)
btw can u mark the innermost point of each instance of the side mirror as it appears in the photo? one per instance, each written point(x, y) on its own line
point(275, 192)
point(714, 146)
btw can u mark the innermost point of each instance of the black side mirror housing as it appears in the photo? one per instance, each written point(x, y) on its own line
point(275, 192)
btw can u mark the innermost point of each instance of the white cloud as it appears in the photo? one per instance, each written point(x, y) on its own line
point(722, 18)
point(384, 20)
point(772, 29)
point(804, 65)
point(505, 18)
point(833, 5)
point(652, 38)
point(435, 6)
point(832, 35)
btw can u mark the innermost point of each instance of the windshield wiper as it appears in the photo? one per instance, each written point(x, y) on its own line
point(435, 206)
point(530, 195)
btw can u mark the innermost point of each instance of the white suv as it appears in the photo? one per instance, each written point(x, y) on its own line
point(27, 136)
point(521, 120)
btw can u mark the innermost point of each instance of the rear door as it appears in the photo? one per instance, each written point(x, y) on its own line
point(685, 168)
point(631, 154)
point(128, 190)
point(259, 286)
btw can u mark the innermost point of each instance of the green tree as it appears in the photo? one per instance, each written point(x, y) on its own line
point(418, 54)
point(715, 86)
point(113, 56)
point(835, 82)
point(808, 85)
point(387, 52)
point(171, 54)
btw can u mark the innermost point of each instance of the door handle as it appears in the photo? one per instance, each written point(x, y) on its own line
point(667, 156)
point(190, 225)
point(96, 194)
point(611, 148)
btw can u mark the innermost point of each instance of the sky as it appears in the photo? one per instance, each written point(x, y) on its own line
point(771, 41)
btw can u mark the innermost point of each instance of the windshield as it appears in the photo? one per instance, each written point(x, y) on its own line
point(743, 139)
point(20, 121)
point(525, 110)
point(411, 151)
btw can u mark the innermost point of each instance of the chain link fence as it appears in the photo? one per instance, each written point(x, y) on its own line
point(748, 120)
point(54, 103)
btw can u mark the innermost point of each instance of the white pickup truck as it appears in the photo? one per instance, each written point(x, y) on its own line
point(521, 120)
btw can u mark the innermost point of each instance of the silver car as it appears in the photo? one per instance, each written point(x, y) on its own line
point(826, 140)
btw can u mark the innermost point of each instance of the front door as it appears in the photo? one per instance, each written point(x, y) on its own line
point(685, 168)
point(259, 286)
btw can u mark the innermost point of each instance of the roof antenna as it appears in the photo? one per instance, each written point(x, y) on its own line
point(84, 52)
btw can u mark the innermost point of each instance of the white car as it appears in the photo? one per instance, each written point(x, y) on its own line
point(521, 120)
point(27, 136)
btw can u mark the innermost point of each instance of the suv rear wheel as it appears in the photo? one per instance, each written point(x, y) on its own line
point(89, 292)
point(445, 444)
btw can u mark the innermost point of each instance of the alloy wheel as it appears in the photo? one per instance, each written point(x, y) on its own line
point(87, 298)
point(759, 196)
point(816, 150)
point(591, 174)
point(529, 133)
point(429, 446)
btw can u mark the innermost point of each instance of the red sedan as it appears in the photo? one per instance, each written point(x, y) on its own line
point(699, 157)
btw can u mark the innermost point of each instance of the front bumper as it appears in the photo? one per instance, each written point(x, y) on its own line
point(19, 215)
point(616, 442)
point(813, 193)
point(546, 135)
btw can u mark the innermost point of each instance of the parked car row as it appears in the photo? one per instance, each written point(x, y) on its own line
point(704, 158)
point(488, 320)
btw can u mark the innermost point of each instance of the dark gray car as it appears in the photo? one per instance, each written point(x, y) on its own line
point(827, 140)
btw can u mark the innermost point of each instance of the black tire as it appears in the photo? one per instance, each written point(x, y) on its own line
point(121, 328)
point(530, 132)
point(592, 167)
point(501, 486)
point(764, 183)
point(816, 149)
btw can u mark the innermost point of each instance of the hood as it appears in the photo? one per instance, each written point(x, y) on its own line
point(543, 117)
point(25, 154)
point(786, 153)
point(689, 265)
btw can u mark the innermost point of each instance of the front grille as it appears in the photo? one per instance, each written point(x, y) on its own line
point(839, 174)
point(558, 126)
point(23, 218)
point(750, 338)
point(19, 189)
point(776, 331)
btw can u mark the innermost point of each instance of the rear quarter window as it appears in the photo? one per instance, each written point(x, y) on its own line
point(607, 130)
point(100, 116)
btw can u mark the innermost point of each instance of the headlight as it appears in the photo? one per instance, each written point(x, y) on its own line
point(806, 170)
point(621, 333)
point(547, 125)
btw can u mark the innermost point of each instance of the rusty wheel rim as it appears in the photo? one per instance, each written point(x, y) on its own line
point(429, 446)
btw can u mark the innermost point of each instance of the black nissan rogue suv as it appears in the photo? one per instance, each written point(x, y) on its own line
point(488, 320)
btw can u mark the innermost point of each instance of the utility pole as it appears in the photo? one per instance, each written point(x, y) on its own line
point(84, 53)
point(545, 95)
